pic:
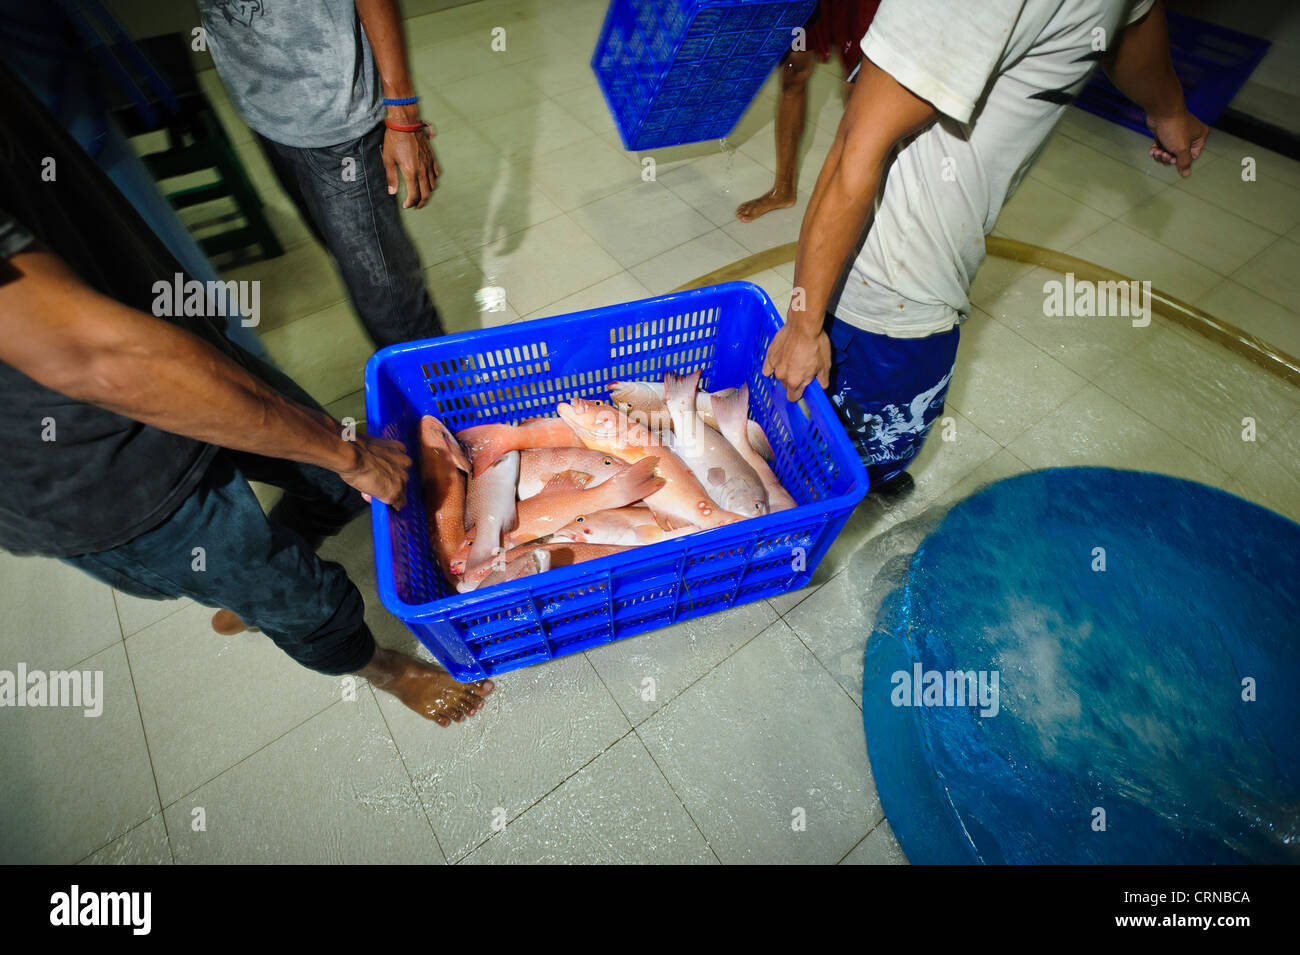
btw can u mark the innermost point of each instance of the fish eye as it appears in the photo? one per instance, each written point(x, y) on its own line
point(607, 461)
point(579, 520)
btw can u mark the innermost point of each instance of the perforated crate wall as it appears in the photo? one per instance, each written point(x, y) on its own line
point(682, 71)
point(523, 370)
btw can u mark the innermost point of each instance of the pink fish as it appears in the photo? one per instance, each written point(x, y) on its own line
point(726, 475)
point(561, 554)
point(627, 526)
point(490, 508)
point(606, 428)
point(733, 413)
point(442, 463)
point(539, 465)
point(557, 506)
point(488, 442)
point(644, 402)
point(534, 561)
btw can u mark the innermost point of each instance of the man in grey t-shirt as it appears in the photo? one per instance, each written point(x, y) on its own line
point(314, 79)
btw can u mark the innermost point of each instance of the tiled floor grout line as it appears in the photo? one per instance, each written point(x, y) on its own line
point(144, 730)
point(527, 809)
point(822, 663)
point(1123, 400)
point(424, 809)
point(248, 756)
point(154, 623)
point(143, 822)
point(708, 843)
point(1230, 277)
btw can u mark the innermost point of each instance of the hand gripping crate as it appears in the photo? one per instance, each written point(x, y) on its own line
point(682, 71)
point(522, 371)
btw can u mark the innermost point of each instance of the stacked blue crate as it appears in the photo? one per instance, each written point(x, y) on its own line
point(684, 71)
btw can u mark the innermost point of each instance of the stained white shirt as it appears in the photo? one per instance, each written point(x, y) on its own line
point(1000, 73)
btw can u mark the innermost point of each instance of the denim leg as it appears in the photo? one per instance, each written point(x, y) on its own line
point(343, 192)
point(262, 571)
point(888, 392)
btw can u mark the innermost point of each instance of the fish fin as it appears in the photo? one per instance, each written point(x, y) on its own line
point(649, 533)
point(570, 480)
point(717, 477)
point(634, 483)
point(758, 441)
point(665, 523)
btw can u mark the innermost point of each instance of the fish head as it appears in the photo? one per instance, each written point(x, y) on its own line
point(621, 394)
point(459, 559)
point(434, 434)
point(602, 427)
point(580, 529)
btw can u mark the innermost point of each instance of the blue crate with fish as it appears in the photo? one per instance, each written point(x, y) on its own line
point(522, 373)
point(1212, 63)
point(683, 71)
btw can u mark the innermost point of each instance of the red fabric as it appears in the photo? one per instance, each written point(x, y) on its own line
point(838, 26)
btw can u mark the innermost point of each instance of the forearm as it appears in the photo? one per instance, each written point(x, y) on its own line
point(879, 113)
point(96, 350)
point(1140, 66)
point(837, 213)
point(382, 22)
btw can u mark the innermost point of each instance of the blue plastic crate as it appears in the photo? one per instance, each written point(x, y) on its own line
point(1212, 63)
point(719, 50)
point(522, 371)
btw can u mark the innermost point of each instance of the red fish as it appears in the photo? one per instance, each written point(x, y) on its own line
point(488, 442)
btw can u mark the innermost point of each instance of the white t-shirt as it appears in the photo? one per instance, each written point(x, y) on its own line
point(1000, 73)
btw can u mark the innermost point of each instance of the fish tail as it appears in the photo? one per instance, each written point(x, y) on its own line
point(622, 391)
point(681, 388)
point(732, 411)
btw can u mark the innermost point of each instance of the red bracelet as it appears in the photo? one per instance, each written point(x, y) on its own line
point(409, 127)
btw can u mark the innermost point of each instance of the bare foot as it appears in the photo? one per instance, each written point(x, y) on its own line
point(428, 690)
point(781, 197)
point(227, 624)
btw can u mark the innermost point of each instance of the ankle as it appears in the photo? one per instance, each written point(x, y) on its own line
point(385, 668)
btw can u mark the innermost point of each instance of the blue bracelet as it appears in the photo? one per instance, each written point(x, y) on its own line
point(404, 101)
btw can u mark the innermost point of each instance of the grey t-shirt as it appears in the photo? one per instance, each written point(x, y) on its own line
point(299, 71)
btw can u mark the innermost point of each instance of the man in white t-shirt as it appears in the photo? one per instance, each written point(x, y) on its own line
point(954, 101)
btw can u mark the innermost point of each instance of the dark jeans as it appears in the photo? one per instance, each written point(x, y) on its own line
point(264, 568)
point(888, 392)
point(348, 209)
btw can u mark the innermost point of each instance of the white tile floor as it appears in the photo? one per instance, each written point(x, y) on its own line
point(219, 749)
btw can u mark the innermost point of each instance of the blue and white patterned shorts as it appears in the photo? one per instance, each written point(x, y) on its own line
point(888, 392)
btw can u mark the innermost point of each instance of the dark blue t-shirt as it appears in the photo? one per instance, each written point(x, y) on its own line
point(103, 479)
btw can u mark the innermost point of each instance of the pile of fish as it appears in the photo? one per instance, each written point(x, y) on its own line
point(662, 460)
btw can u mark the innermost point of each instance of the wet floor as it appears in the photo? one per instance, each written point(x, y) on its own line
point(733, 738)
